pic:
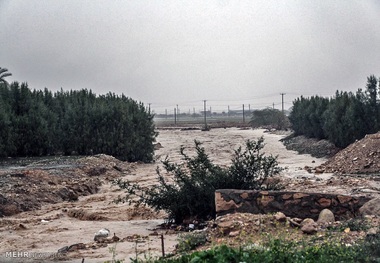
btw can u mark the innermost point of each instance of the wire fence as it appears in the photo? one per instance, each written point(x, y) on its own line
point(278, 101)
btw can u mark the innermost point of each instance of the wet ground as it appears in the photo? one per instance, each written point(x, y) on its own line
point(63, 223)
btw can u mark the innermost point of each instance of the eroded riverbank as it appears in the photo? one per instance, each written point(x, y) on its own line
point(55, 225)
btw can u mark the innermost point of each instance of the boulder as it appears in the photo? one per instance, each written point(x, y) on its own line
point(326, 216)
point(101, 234)
point(309, 228)
point(372, 207)
point(280, 217)
point(307, 221)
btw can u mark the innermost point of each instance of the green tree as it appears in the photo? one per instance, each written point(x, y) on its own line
point(190, 191)
point(34, 123)
point(372, 104)
point(269, 118)
point(307, 116)
point(297, 115)
point(3, 74)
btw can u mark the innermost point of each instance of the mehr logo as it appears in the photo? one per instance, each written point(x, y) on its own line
point(28, 254)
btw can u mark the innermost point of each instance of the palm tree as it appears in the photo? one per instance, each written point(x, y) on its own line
point(3, 75)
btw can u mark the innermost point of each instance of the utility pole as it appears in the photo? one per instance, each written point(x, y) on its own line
point(177, 112)
point(243, 114)
point(204, 110)
point(175, 116)
point(249, 108)
point(282, 101)
point(273, 105)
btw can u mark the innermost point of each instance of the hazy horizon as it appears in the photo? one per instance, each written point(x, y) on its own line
point(169, 53)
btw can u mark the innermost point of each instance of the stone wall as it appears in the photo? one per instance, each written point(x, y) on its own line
point(292, 204)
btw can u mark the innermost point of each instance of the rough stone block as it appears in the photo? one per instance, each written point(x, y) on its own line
point(292, 204)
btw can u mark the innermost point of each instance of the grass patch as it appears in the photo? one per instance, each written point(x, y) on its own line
point(283, 251)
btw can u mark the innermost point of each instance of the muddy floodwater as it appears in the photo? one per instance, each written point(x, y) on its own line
point(46, 162)
point(55, 226)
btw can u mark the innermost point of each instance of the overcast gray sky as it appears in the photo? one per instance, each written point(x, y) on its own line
point(182, 52)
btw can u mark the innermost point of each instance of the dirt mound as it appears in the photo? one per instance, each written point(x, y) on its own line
point(50, 182)
point(314, 147)
point(360, 157)
point(82, 214)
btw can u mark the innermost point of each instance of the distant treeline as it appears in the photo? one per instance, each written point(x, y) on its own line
point(38, 123)
point(341, 119)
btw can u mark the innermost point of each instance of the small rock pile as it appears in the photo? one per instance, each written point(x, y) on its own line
point(360, 157)
point(239, 228)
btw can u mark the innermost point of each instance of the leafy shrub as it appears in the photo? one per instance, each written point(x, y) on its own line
point(372, 247)
point(189, 193)
point(189, 241)
point(354, 224)
point(277, 250)
point(281, 250)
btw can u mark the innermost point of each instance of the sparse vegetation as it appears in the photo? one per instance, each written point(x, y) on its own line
point(187, 190)
point(189, 241)
point(113, 252)
point(353, 224)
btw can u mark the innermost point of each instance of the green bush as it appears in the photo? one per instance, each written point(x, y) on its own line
point(371, 246)
point(269, 118)
point(189, 193)
point(354, 224)
point(277, 250)
point(189, 241)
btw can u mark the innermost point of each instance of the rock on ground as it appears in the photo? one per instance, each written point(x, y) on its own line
point(326, 216)
point(372, 207)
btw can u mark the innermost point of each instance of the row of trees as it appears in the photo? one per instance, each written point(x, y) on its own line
point(38, 122)
point(341, 119)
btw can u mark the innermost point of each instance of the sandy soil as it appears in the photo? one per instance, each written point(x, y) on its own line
point(51, 228)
